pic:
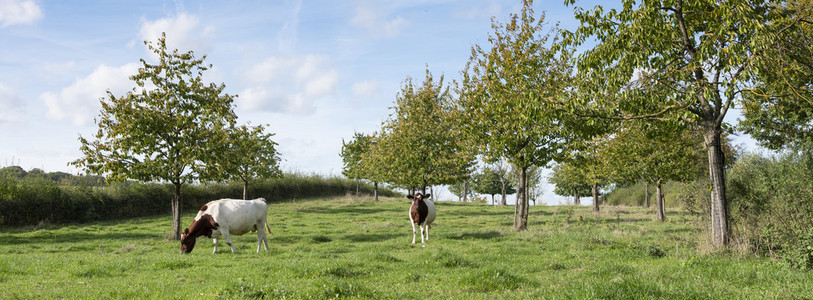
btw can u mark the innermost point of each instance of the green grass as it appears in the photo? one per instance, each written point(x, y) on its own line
point(357, 248)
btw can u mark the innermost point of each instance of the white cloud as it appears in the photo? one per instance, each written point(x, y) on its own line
point(11, 108)
point(288, 84)
point(17, 12)
point(377, 21)
point(79, 102)
point(183, 32)
point(366, 89)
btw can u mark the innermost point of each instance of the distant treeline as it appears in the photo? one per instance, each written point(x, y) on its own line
point(60, 178)
point(35, 197)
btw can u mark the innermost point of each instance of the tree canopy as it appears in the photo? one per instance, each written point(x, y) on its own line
point(352, 155)
point(419, 146)
point(245, 153)
point(510, 95)
point(778, 109)
point(164, 129)
point(685, 59)
point(488, 182)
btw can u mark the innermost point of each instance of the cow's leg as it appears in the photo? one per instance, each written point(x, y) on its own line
point(422, 240)
point(261, 239)
point(414, 232)
point(265, 243)
point(228, 241)
point(224, 231)
point(427, 232)
point(214, 240)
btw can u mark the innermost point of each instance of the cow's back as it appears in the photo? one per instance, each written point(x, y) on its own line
point(241, 216)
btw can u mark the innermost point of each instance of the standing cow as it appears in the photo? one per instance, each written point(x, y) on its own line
point(226, 217)
point(421, 213)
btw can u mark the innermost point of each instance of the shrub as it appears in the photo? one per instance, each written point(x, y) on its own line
point(31, 200)
point(800, 254)
point(771, 204)
point(692, 195)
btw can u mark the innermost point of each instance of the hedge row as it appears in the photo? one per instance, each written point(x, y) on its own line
point(31, 201)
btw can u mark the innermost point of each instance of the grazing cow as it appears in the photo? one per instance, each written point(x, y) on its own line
point(226, 217)
point(421, 213)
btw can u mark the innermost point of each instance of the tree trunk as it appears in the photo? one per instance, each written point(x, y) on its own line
point(659, 198)
point(719, 202)
point(646, 194)
point(357, 186)
point(595, 198)
point(504, 202)
point(465, 191)
point(375, 190)
point(516, 211)
point(245, 189)
point(576, 196)
point(522, 201)
point(176, 211)
point(492, 199)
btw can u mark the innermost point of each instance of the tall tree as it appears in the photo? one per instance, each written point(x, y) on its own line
point(419, 146)
point(488, 182)
point(569, 180)
point(508, 98)
point(352, 157)
point(373, 164)
point(692, 57)
point(534, 181)
point(655, 151)
point(503, 169)
point(162, 128)
point(246, 153)
point(585, 169)
point(778, 110)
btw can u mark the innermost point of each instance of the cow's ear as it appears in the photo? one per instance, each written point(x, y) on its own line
point(186, 231)
point(409, 196)
point(427, 196)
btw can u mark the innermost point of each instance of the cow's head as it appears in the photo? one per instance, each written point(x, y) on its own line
point(202, 226)
point(418, 196)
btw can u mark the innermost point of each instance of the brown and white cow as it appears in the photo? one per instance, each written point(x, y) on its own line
point(422, 214)
point(226, 217)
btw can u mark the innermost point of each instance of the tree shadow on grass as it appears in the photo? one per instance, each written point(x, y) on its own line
point(75, 237)
point(367, 237)
point(482, 235)
point(679, 230)
point(482, 213)
point(358, 210)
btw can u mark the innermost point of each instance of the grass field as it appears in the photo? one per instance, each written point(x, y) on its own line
point(350, 247)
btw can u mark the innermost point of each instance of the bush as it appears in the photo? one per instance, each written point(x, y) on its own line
point(31, 200)
point(771, 205)
point(690, 195)
point(800, 254)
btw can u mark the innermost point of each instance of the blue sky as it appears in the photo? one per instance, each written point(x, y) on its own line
point(316, 71)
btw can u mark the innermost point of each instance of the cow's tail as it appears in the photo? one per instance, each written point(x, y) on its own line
point(268, 228)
